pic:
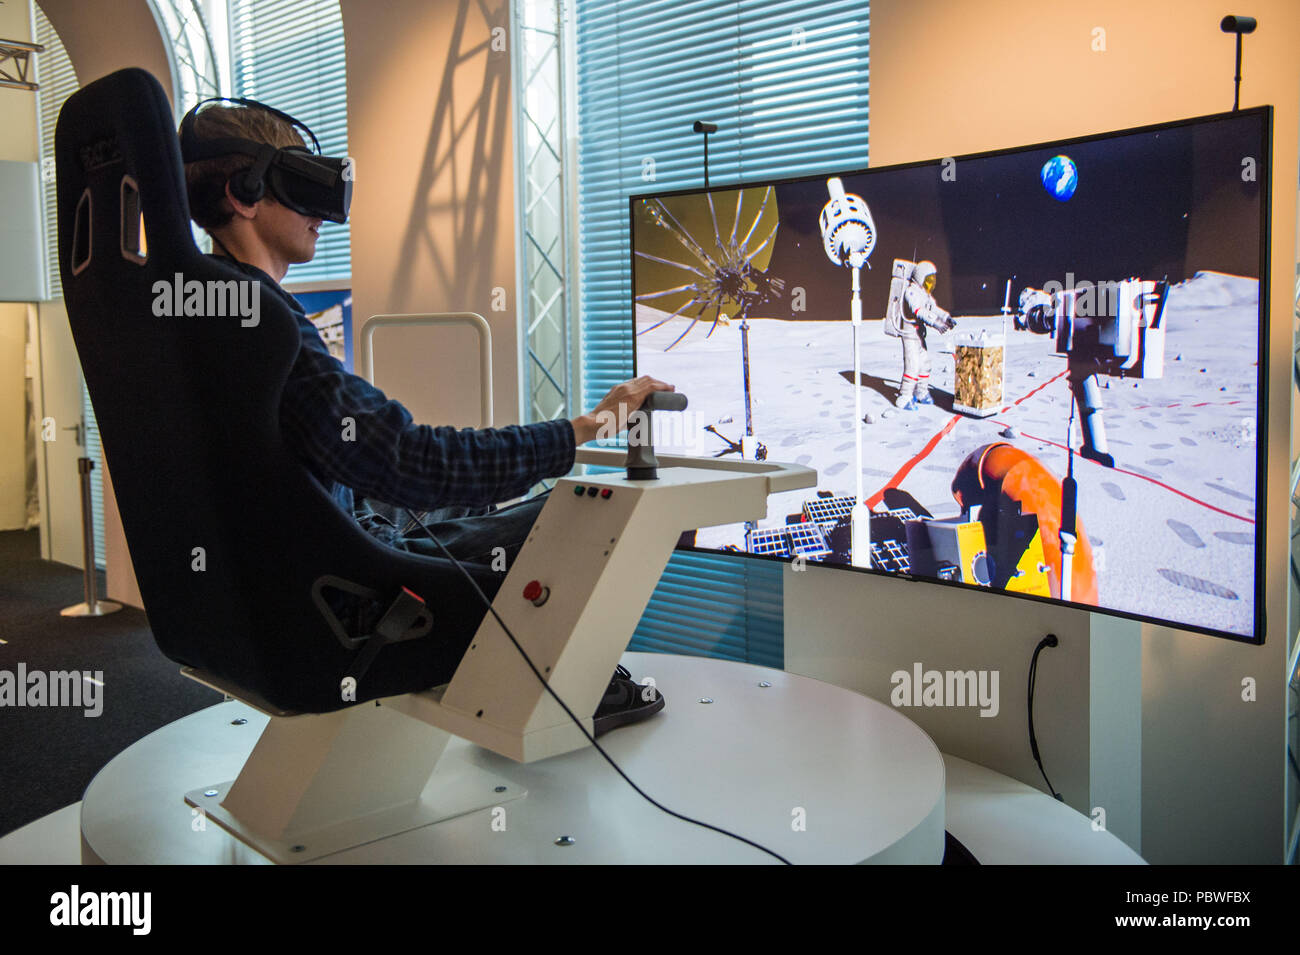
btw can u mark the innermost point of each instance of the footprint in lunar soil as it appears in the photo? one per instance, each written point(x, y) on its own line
point(1185, 533)
point(1235, 537)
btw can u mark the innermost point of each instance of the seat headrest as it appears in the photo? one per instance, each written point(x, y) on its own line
point(122, 125)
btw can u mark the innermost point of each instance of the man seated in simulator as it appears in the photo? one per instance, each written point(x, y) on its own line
point(247, 205)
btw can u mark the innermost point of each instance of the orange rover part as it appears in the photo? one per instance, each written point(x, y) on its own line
point(1003, 470)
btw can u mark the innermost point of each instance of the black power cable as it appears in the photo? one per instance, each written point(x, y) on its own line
point(1047, 641)
point(577, 722)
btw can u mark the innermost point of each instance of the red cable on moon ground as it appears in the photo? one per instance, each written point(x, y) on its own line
point(906, 469)
point(901, 474)
point(1183, 494)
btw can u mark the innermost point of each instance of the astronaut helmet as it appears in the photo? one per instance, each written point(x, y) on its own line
point(924, 274)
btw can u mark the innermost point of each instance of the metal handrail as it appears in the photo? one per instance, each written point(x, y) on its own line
point(470, 319)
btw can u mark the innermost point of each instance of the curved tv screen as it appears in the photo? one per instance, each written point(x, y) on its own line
point(1037, 372)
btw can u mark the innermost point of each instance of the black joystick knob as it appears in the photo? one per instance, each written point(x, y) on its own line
point(642, 465)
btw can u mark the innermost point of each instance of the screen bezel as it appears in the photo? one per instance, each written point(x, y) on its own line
point(1261, 429)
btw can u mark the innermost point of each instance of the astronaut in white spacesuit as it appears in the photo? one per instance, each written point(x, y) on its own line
point(919, 311)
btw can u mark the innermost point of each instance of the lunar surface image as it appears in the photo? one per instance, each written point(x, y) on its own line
point(744, 300)
point(1172, 524)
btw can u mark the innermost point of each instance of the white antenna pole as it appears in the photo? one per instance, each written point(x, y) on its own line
point(857, 380)
point(859, 517)
point(1006, 312)
point(850, 234)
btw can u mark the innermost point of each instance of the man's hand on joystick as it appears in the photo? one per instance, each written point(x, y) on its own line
point(642, 465)
point(610, 417)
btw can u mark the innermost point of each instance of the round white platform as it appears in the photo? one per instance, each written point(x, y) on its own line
point(1001, 821)
point(812, 771)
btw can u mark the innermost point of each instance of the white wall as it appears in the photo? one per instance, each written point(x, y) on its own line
point(109, 35)
point(22, 278)
point(119, 573)
point(13, 416)
point(951, 77)
point(17, 107)
point(18, 148)
point(433, 221)
point(59, 398)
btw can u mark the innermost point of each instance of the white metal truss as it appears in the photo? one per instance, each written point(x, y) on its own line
point(542, 191)
point(15, 64)
point(197, 68)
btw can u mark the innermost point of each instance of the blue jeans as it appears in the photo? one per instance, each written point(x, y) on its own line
point(480, 535)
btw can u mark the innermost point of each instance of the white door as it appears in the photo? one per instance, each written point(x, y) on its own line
point(60, 432)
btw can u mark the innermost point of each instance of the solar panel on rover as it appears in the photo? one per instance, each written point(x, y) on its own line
point(807, 540)
point(828, 510)
point(890, 555)
point(769, 541)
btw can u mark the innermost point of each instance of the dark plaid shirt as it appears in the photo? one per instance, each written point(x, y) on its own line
point(391, 458)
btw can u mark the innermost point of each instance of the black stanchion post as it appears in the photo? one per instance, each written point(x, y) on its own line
point(93, 606)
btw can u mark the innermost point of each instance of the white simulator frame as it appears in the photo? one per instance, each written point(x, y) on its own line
point(317, 784)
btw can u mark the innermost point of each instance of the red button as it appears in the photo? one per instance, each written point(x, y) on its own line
point(533, 590)
point(606, 492)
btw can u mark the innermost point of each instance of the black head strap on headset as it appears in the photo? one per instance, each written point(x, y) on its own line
point(304, 181)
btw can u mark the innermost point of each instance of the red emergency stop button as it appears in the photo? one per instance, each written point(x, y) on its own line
point(536, 593)
point(606, 493)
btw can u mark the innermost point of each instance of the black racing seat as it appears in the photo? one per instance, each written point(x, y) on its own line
point(228, 531)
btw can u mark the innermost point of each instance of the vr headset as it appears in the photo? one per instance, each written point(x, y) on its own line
point(304, 181)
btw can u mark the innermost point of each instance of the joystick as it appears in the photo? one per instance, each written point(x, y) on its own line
point(642, 465)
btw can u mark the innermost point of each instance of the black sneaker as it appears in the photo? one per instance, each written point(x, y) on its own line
point(625, 701)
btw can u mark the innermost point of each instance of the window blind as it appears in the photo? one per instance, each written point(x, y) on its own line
point(786, 82)
point(57, 82)
point(289, 54)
